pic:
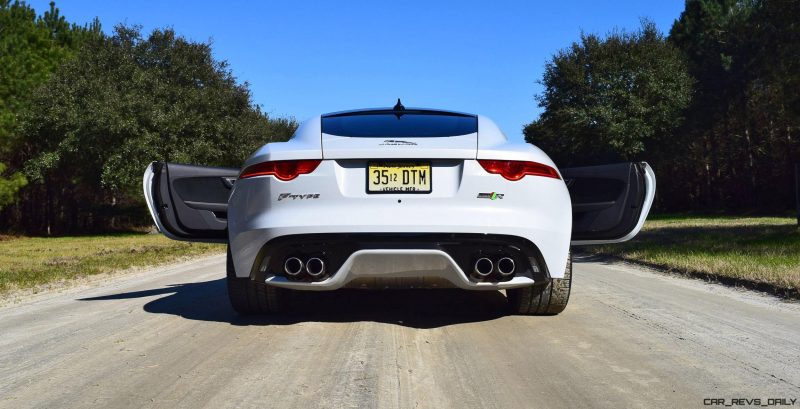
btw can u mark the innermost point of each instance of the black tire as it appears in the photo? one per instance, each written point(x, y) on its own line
point(249, 297)
point(542, 299)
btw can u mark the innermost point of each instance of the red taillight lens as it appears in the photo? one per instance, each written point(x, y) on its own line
point(281, 169)
point(516, 170)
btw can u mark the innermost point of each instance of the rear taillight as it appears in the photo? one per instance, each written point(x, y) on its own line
point(281, 169)
point(516, 170)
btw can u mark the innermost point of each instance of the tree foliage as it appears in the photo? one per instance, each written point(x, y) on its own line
point(719, 119)
point(31, 48)
point(10, 186)
point(743, 119)
point(126, 100)
point(612, 97)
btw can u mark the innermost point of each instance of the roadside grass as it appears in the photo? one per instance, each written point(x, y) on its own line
point(29, 262)
point(757, 250)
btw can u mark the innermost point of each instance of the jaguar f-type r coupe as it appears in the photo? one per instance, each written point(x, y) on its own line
point(399, 198)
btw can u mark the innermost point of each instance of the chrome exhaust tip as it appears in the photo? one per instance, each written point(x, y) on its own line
point(293, 266)
point(483, 267)
point(315, 267)
point(506, 266)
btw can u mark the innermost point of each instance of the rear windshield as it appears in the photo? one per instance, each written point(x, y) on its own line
point(389, 124)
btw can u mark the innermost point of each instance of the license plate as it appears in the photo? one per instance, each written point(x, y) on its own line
point(398, 177)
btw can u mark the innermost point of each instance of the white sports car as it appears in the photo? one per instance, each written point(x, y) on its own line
point(399, 198)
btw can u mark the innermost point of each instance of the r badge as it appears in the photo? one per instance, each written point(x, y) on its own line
point(491, 196)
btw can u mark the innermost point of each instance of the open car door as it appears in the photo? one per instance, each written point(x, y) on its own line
point(609, 202)
point(189, 203)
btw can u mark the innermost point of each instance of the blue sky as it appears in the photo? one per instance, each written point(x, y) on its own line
point(307, 58)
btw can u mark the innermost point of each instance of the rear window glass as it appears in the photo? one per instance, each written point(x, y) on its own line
point(408, 124)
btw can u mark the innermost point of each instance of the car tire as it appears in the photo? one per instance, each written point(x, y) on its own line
point(549, 298)
point(250, 297)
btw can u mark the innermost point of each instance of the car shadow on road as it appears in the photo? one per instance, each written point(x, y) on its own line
point(580, 257)
point(208, 301)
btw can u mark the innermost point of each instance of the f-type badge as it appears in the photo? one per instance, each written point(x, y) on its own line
point(491, 196)
point(286, 196)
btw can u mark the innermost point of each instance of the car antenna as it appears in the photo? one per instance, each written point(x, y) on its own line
point(398, 108)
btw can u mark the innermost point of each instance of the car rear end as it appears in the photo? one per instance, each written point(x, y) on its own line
point(399, 198)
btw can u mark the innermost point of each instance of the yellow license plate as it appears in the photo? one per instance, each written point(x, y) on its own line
point(398, 177)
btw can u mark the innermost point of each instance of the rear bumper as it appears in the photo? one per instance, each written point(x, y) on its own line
point(405, 260)
point(332, 200)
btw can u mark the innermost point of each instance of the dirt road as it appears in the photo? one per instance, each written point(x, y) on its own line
point(167, 337)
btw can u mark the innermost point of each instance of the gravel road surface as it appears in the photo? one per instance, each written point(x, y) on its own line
point(168, 338)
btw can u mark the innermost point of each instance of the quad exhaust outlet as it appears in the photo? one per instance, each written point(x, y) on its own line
point(483, 267)
point(297, 267)
point(315, 267)
point(497, 268)
point(293, 266)
point(500, 268)
point(506, 266)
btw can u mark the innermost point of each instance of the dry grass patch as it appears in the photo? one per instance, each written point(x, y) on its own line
point(28, 262)
point(755, 249)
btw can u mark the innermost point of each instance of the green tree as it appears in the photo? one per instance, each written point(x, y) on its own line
point(31, 48)
point(10, 186)
point(743, 120)
point(128, 100)
point(709, 34)
point(722, 138)
point(611, 98)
